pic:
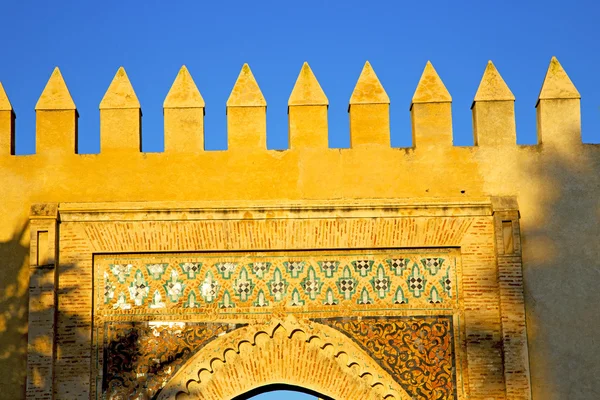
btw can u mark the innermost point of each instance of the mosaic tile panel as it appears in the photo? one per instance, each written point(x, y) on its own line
point(417, 351)
point(141, 357)
point(130, 284)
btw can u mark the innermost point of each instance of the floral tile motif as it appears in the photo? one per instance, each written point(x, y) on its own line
point(416, 281)
point(121, 271)
point(277, 285)
point(226, 302)
point(243, 285)
point(138, 290)
point(329, 267)
point(311, 284)
point(399, 297)
point(174, 287)
point(364, 298)
point(398, 265)
point(383, 278)
point(330, 300)
point(433, 264)
point(156, 271)
point(191, 269)
point(294, 268)
point(363, 267)
point(347, 284)
point(226, 269)
point(260, 269)
point(381, 282)
point(446, 282)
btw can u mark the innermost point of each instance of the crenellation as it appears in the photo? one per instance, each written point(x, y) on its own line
point(56, 119)
point(431, 112)
point(493, 111)
point(558, 109)
point(307, 112)
point(246, 114)
point(183, 111)
point(369, 111)
point(120, 116)
point(7, 125)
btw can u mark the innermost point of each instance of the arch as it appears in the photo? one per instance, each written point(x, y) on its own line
point(279, 387)
point(304, 354)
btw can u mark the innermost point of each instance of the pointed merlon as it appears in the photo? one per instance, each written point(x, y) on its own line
point(431, 89)
point(56, 95)
point(492, 86)
point(557, 84)
point(120, 93)
point(4, 102)
point(184, 93)
point(307, 90)
point(246, 92)
point(368, 89)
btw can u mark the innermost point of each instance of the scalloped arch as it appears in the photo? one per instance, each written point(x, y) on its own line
point(305, 354)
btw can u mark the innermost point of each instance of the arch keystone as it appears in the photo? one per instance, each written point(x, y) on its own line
point(183, 111)
point(246, 92)
point(557, 84)
point(56, 95)
point(120, 116)
point(558, 109)
point(431, 89)
point(184, 93)
point(307, 112)
point(7, 124)
point(493, 111)
point(120, 93)
point(492, 87)
point(369, 110)
point(246, 113)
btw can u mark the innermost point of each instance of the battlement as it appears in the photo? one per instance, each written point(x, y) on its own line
point(558, 114)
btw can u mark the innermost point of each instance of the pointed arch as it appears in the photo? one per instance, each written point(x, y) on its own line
point(304, 354)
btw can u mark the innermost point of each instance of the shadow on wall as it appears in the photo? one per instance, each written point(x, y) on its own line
point(13, 312)
point(561, 258)
point(14, 315)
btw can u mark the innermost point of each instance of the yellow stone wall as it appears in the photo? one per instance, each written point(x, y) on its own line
point(555, 182)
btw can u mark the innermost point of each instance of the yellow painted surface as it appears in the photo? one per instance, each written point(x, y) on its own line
point(557, 185)
point(246, 114)
point(184, 115)
point(369, 111)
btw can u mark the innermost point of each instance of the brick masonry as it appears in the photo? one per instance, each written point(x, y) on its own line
point(489, 337)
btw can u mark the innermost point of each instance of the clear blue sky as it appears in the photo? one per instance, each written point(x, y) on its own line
point(152, 39)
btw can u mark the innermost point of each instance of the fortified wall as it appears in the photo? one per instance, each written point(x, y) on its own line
point(495, 244)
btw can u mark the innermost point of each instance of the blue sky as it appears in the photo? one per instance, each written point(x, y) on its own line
point(152, 39)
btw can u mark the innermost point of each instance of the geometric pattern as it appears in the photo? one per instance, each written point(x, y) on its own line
point(418, 351)
point(192, 283)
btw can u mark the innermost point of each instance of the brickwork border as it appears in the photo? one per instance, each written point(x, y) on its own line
point(88, 229)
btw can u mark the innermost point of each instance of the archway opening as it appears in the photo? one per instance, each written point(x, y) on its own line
point(281, 391)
